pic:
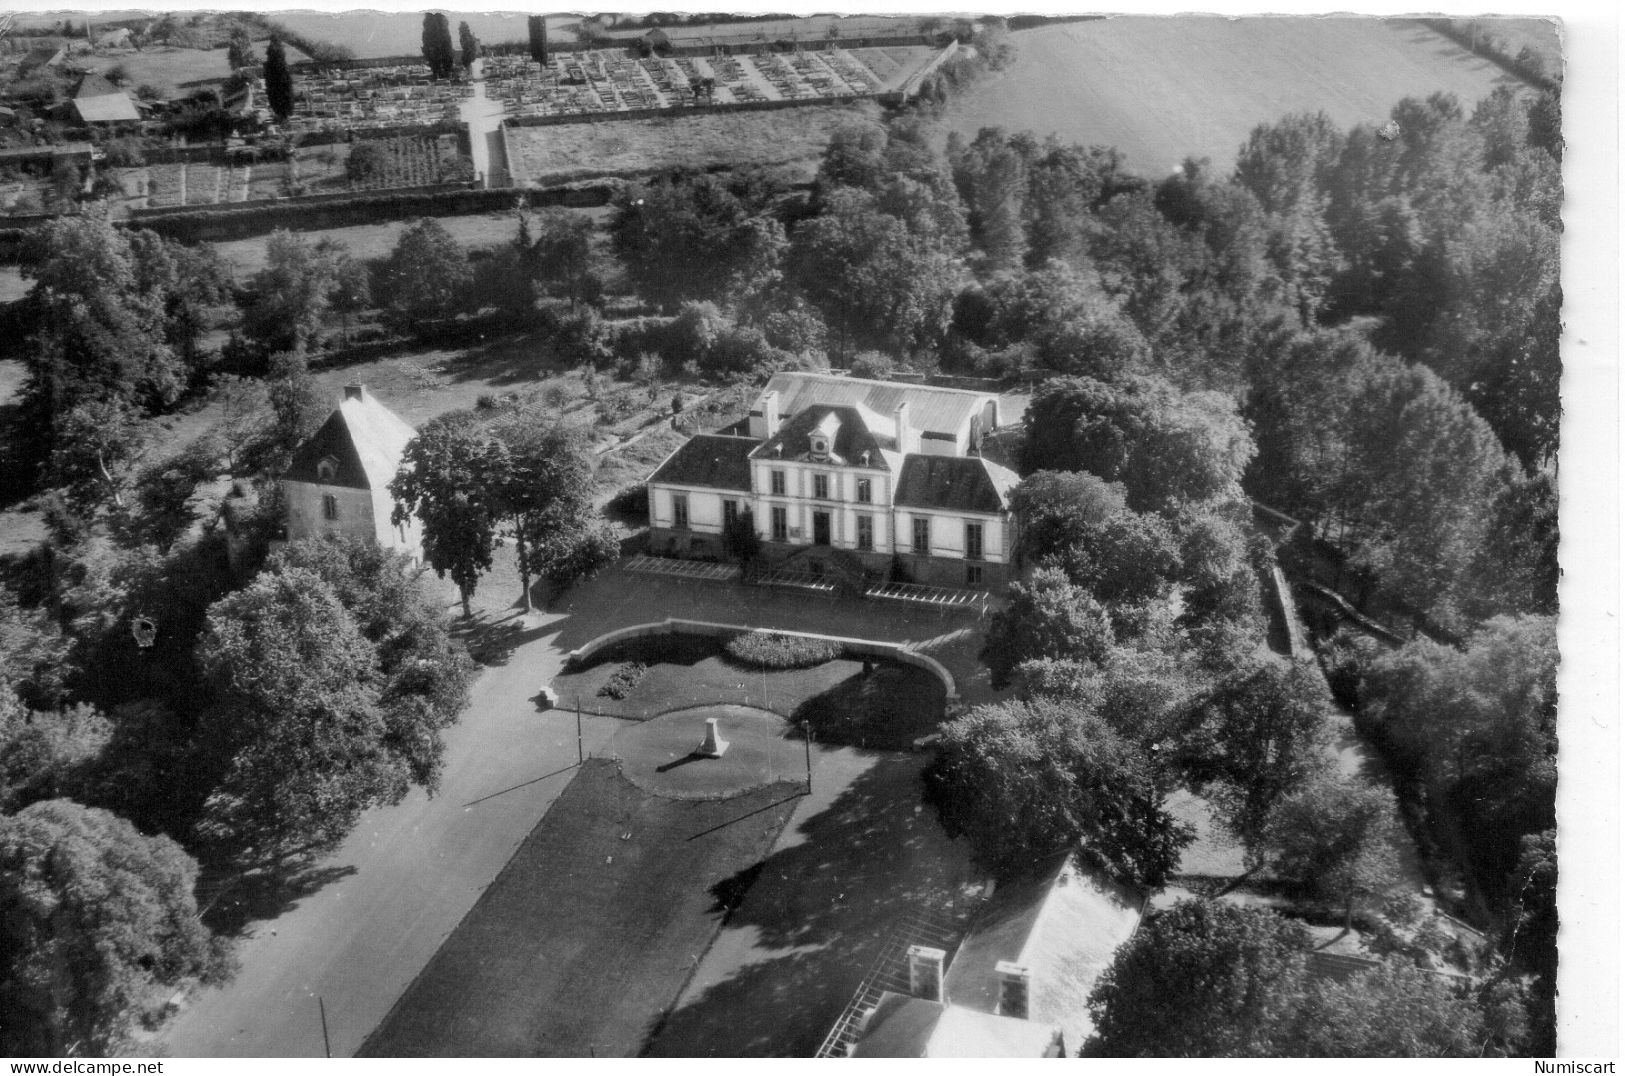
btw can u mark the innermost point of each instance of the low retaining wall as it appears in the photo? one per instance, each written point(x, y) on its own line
point(861, 647)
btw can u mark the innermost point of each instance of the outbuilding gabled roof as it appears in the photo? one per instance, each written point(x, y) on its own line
point(364, 440)
point(955, 484)
point(1064, 924)
point(710, 462)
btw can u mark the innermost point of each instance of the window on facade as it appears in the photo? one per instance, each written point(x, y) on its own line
point(973, 541)
point(330, 506)
point(730, 513)
point(866, 532)
point(865, 490)
point(679, 511)
point(973, 575)
point(776, 482)
point(922, 535)
point(821, 486)
point(781, 524)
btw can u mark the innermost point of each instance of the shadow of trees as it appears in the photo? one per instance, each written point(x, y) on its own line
point(821, 910)
point(888, 706)
point(234, 901)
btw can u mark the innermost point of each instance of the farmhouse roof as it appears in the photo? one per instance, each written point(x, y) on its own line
point(99, 101)
point(903, 1026)
point(954, 483)
point(849, 427)
point(930, 408)
point(1064, 924)
point(710, 462)
point(364, 440)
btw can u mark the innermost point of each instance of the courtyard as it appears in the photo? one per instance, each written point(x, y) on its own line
point(374, 913)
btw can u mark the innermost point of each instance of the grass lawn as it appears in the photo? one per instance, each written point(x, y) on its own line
point(794, 138)
point(592, 929)
point(1163, 89)
point(889, 707)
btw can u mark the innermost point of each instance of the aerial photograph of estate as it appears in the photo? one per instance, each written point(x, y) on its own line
point(745, 535)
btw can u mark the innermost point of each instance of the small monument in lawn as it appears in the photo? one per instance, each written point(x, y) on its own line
point(713, 745)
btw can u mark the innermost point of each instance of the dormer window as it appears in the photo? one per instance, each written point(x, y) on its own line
point(327, 469)
point(820, 446)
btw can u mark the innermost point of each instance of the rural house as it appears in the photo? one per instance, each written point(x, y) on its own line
point(1019, 983)
point(98, 103)
point(829, 466)
point(339, 480)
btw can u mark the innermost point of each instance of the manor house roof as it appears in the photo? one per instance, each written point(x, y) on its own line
point(955, 483)
point(930, 408)
point(709, 461)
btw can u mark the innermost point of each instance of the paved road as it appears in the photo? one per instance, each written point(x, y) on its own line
point(419, 866)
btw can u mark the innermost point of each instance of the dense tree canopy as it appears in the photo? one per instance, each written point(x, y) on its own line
point(1024, 780)
point(92, 915)
point(686, 237)
point(1048, 616)
point(1260, 735)
point(1200, 979)
point(1168, 449)
point(1210, 979)
point(1480, 725)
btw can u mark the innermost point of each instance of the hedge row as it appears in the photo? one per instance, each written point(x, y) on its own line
point(770, 650)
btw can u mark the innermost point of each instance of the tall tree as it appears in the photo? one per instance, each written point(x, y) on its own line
point(1337, 838)
point(537, 27)
point(1046, 616)
point(991, 174)
point(427, 276)
point(1258, 737)
point(438, 51)
point(278, 80)
point(1026, 780)
point(93, 916)
point(546, 497)
point(468, 45)
point(449, 479)
point(292, 295)
point(561, 252)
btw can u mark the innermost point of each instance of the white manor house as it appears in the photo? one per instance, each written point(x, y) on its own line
point(837, 472)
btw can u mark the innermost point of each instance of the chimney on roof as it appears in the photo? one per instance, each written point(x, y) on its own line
point(908, 441)
point(764, 417)
point(1015, 984)
point(355, 392)
point(925, 972)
